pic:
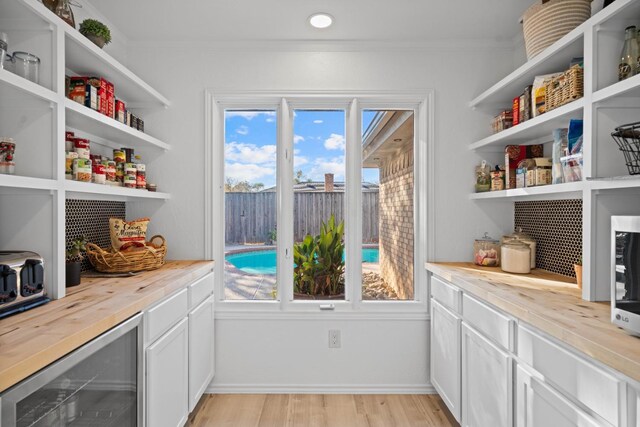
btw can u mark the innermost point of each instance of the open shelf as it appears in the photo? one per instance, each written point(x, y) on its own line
point(27, 183)
point(84, 190)
point(615, 183)
point(15, 82)
point(85, 58)
point(90, 121)
point(554, 59)
point(535, 131)
point(629, 88)
point(569, 190)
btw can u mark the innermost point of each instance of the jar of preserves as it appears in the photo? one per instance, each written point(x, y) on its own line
point(486, 251)
point(516, 257)
point(7, 150)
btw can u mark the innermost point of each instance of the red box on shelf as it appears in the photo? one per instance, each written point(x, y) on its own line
point(514, 154)
point(516, 110)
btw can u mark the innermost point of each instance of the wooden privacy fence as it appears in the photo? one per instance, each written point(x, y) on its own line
point(249, 217)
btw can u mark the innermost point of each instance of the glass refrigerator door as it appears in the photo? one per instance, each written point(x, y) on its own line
point(97, 385)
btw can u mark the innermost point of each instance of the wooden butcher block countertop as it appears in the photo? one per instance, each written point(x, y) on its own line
point(553, 304)
point(31, 340)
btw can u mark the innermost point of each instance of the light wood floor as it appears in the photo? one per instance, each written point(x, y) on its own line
point(302, 410)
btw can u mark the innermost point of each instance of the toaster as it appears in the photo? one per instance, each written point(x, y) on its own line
point(21, 281)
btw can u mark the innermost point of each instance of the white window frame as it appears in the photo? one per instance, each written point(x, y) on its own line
point(353, 103)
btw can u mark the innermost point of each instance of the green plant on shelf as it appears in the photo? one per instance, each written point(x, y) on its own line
point(78, 246)
point(92, 27)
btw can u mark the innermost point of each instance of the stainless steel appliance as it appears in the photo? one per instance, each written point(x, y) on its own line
point(99, 384)
point(21, 281)
point(625, 272)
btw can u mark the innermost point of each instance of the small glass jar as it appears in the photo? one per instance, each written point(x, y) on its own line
point(486, 251)
point(26, 65)
point(516, 257)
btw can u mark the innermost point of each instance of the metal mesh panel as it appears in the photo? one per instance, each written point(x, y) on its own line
point(556, 225)
point(91, 219)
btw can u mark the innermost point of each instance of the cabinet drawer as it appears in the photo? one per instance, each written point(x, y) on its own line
point(200, 290)
point(490, 322)
point(164, 315)
point(445, 294)
point(574, 376)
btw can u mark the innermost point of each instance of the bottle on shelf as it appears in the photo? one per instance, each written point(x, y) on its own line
point(628, 65)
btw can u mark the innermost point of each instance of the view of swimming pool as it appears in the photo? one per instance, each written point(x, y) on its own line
point(264, 262)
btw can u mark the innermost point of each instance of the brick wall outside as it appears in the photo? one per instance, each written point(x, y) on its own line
point(396, 223)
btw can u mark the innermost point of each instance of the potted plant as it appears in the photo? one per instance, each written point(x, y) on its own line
point(96, 31)
point(578, 269)
point(74, 260)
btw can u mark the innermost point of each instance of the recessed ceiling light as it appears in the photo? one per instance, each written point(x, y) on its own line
point(321, 20)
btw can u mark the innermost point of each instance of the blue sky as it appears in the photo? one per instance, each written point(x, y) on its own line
point(319, 145)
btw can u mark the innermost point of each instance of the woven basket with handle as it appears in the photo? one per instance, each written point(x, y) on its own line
point(546, 22)
point(149, 257)
point(565, 88)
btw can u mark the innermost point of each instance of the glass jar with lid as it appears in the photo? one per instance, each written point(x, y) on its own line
point(516, 257)
point(486, 251)
point(525, 238)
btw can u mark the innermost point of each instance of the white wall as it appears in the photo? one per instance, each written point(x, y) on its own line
point(289, 354)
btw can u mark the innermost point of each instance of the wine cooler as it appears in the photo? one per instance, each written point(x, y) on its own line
point(99, 384)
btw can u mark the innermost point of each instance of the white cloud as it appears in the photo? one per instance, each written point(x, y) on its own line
point(335, 142)
point(250, 153)
point(251, 173)
point(299, 160)
point(297, 138)
point(249, 115)
point(321, 166)
point(270, 120)
point(318, 122)
point(242, 130)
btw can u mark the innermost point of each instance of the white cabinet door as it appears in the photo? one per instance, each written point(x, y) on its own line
point(537, 405)
point(445, 356)
point(486, 382)
point(201, 341)
point(167, 402)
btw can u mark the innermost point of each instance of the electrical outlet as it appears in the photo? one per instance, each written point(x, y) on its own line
point(334, 338)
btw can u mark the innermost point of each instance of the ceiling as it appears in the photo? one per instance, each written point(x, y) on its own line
point(286, 20)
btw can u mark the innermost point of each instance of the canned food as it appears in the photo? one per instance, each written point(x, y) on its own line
point(99, 176)
point(119, 156)
point(110, 170)
point(130, 175)
point(141, 176)
point(120, 172)
point(7, 151)
point(82, 170)
point(81, 146)
point(68, 164)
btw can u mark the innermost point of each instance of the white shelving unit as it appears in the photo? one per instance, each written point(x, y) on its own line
point(32, 202)
point(568, 190)
point(606, 189)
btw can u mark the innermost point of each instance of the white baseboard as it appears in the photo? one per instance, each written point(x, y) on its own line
point(320, 389)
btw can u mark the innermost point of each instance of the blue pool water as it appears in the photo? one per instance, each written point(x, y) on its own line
point(264, 262)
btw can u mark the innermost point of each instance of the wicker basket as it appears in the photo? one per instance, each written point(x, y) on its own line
point(565, 88)
point(150, 257)
point(546, 23)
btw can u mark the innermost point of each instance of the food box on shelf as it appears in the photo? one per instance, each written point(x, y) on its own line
point(513, 155)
